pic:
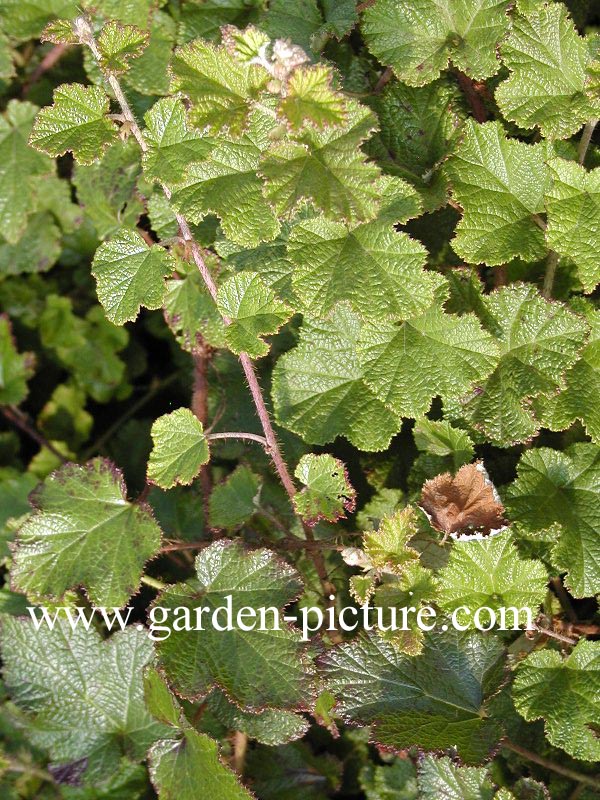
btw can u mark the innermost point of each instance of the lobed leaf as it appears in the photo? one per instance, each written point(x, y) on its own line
point(327, 493)
point(179, 450)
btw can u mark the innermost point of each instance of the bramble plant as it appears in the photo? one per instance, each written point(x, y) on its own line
point(300, 308)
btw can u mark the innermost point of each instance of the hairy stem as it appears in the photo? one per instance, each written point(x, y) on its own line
point(86, 36)
point(240, 746)
point(586, 138)
point(252, 437)
point(200, 410)
point(580, 777)
point(154, 583)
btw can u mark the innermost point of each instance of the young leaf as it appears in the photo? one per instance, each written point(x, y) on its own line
point(310, 98)
point(319, 388)
point(566, 694)
point(466, 501)
point(327, 492)
point(82, 523)
point(418, 39)
point(77, 121)
point(554, 488)
point(538, 341)
point(129, 275)
point(433, 701)
point(190, 767)
point(579, 398)
point(548, 62)
point(256, 668)
point(19, 167)
point(172, 144)
point(235, 500)
point(573, 204)
point(327, 168)
point(388, 547)
point(501, 184)
point(407, 364)
point(118, 44)
point(83, 696)
point(180, 449)
point(226, 183)
point(491, 574)
point(221, 89)
point(23, 21)
point(15, 368)
point(376, 268)
point(254, 311)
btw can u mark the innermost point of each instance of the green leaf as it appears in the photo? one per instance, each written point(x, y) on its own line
point(340, 16)
point(327, 492)
point(579, 398)
point(235, 500)
point(434, 701)
point(118, 44)
point(64, 416)
point(538, 341)
point(7, 69)
point(22, 21)
point(77, 122)
point(489, 573)
point(548, 62)
point(130, 274)
point(15, 368)
point(190, 311)
point(319, 388)
point(418, 39)
point(310, 98)
point(83, 532)
point(254, 311)
point(388, 547)
point(573, 204)
point(172, 145)
point(396, 781)
point(440, 778)
point(419, 127)
point(407, 364)
point(566, 694)
point(500, 183)
point(271, 726)
point(36, 251)
point(377, 269)
point(149, 73)
point(20, 165)
point(180, 449)
point(561, 489)
point(326, 167)
point(190, 768)
point(107, 189)
point(83, 696)
point(439, 438)
point(220, 89)
point(226, 183)
point(297, 20)
point(257, 668)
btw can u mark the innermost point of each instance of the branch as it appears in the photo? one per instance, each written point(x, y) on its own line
point(589, 780)
point(49, 60)
point(253, 437)
point(21, 421)
point(86, 36)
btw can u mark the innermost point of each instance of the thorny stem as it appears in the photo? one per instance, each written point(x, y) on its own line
point(589, 780)
point(586, 138)
point(16, 417)
point(84, 31)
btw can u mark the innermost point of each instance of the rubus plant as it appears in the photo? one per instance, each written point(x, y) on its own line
point(300, 306)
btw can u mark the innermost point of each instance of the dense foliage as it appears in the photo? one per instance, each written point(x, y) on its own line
point(299, 300)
